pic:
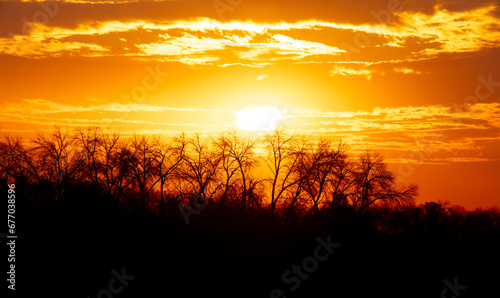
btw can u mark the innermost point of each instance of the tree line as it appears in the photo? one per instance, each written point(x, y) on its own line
point(281, 173)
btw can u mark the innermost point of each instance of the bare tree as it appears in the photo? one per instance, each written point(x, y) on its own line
point(168, 158)
point(374, 183)
point(304, 177)
point(115, 163)
point(58, 158)
point(256, 193)
point(143, 168)
point(321, 165)
point(16, 161)
point(341, 184)
point(239, 156)
point(90, 141)
point(284, 152)
point(229, 166)
point(201, 166)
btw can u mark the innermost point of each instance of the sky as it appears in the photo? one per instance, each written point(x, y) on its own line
point(418, 81)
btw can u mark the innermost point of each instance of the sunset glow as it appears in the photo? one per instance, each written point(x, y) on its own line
point(258, 118)
point(250, 148)
point(417, 82)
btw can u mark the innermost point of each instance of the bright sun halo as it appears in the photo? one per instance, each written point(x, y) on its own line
point(258, 118)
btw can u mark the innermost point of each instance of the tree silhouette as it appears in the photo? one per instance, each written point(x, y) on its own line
point(238, 153)
point(284, 153)
point(199, 174)
point(15, 162)
point(302, 178)
point(257, 203)
point(374, 183)
point(169, 157)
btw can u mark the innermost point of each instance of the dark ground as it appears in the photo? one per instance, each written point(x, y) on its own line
point(69, 250)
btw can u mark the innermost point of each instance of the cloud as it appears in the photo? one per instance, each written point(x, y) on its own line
point(453, 31)
point(42, 106)
point(206, 41)
point(253, 65)
point(39, 46)
point(431, 129)
point(405, 70)
point(45, 113)
point(346, 71)
point(405, 128)
point(416, 120)
point(189, 42)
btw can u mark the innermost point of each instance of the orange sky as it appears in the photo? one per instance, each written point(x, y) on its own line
point(417, 80)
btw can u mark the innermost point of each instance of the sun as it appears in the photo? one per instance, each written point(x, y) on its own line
point(258, 118)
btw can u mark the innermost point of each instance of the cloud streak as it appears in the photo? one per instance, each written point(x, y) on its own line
point(206, 41)
point(391, 129)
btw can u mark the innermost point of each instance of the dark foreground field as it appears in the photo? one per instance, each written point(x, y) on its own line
point(76, 250)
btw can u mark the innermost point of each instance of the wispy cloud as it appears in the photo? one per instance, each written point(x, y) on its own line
point(405, 70)
point(394, 129)
point(465, 31)
point(408, 128)
point(41, 106)
point(205, 41)
point(350, 71)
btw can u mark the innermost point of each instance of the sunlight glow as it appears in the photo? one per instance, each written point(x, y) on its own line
point(258, 118)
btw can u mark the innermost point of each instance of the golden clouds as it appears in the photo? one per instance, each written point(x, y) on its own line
point(206, 41)
point(399, 120)
point(413, 120)
point(438, 129)
point(405, 70)
point(38, 47)
point(43, 114)
point(199, 42)
point(42, 106)
point(465, 31)
point(342, 70)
